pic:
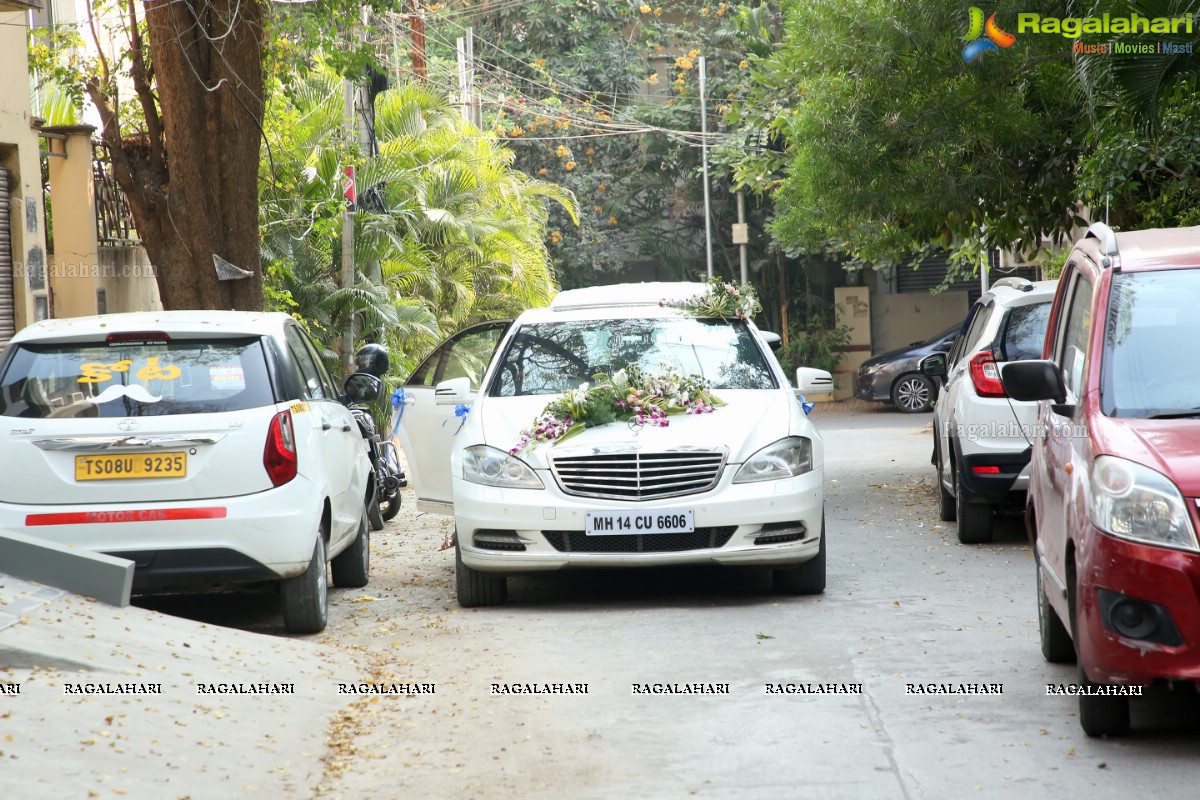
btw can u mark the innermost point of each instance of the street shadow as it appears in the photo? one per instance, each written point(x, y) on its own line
point(673, 587)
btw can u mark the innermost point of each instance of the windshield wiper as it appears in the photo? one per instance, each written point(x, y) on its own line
point(1195, 412)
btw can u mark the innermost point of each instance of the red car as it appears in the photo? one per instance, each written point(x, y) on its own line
point(1115, 475)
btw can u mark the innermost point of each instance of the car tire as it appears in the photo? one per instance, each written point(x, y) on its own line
point(390, 507)
point(947, 506)
point(913, 393)
point(351, 568)
point(306, 596)
point(475, 588)
point(974, 519)
point(374, 515)
point(807, 578)
point(1101, 715)
point(1057, 646)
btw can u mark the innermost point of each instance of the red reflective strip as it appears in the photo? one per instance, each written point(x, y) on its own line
point(125, 515)
point(986, 470)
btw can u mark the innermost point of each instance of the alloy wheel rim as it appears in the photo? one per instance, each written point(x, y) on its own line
point(913, 394)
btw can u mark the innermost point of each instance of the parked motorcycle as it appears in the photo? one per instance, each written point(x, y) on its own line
point(365, 386)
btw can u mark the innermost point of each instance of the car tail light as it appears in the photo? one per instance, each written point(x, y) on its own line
point(985, 374)
point(986, 470)
point(279, 456)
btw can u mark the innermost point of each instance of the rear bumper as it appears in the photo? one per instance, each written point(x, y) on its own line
point(1169, 579)
point(991, 477)
point(266, 535)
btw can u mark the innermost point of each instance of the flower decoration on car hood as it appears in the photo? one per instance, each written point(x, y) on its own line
point(720, 299)
point(629, 394)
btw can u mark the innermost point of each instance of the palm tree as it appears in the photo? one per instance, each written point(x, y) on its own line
point(455, 232)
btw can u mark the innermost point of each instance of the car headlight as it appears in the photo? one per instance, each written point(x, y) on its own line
point(783, 459)
point(493, 467)
point(1136, 503)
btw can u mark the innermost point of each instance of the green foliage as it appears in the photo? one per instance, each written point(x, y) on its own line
point(820, 348)
point(894, 143)
point(1149, 179)
point(602, 98)
point(447, 233)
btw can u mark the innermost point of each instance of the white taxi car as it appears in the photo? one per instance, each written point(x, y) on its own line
point(208, 447)
point(738, 482)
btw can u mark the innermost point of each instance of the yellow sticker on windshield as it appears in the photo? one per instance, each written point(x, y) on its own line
point(99, 372)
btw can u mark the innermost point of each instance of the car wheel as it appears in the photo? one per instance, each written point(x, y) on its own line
point(974, 519)
point(374, 514)
point(1057, 647)
point(947, 511)
point(477, 588)
point(390, 506)
point(913, 394)
point(1101, 715)
point(306, 596)
point(351, 568)
point(807, 578)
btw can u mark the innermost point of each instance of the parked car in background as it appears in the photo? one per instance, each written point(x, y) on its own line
point(736, 481)
point(981, 437)
point(1115, 476)
point(895, 376)
point(208, 447)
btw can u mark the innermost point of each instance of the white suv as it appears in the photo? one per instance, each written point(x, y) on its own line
point(736, 480)
point(208, 447)
point(981, 437)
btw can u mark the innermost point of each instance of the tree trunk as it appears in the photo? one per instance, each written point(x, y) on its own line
point(192, 179)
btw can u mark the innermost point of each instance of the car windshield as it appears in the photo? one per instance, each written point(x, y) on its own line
point(552, 357)
point(1151, 324)
point(139, 378)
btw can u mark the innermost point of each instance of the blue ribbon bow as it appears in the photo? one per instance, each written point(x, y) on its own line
point(461, 411)
point(806, 405)
point(398, 398)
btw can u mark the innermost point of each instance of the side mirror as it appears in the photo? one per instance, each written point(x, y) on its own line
point(363, 387)
point(933, 365)
point(452, 392)
point(813, 381)
point(1034, 380)
point(773, 340)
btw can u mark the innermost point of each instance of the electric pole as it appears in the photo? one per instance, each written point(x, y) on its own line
point(416, 27)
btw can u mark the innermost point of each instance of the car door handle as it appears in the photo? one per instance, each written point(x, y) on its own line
point(346, 427)
point(325, 425)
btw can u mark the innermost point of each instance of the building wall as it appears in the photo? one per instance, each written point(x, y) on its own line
point(19, 155)
point(898, 320)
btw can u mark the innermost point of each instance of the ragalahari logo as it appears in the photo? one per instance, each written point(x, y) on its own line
point(995, 38)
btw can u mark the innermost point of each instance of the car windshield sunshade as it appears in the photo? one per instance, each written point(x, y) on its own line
point(135, 378)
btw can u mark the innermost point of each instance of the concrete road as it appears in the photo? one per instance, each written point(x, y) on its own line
point(906, 605)
point(907, 608)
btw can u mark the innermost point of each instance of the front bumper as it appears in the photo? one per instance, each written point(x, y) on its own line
point(266, 535)
point(732, 515)
point(1169, 579)
point(875, 387)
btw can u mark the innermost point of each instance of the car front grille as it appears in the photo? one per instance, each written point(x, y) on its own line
point(638, 476)
point(580, 542)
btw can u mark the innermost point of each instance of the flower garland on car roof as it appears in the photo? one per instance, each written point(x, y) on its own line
point(719, 299)
point(629, 394)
